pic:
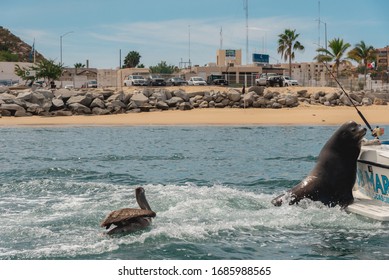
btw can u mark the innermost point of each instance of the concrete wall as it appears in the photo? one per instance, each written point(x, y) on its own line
point(7, 70)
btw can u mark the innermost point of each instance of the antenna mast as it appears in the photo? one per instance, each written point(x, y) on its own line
point(318, 26)
point(221, 37)
point(246, 8)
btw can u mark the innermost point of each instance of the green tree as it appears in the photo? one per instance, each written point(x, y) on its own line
point(44, 69)
point(337, 49)
point(162, 68)
point(363, 54)
point(132, 59)
point(48, 70)
point(24, 73)
point(287, 44)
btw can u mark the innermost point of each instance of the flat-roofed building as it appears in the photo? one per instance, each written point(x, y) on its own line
point(383, 58)
point(228, 57)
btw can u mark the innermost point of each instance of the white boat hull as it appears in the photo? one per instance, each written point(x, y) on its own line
point(371, 190)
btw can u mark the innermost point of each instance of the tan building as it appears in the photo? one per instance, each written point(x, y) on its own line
point(228, 57)
point(383, 58)
point(122, 74)
point(77, 77)
point(309, 73)
point(107, 77)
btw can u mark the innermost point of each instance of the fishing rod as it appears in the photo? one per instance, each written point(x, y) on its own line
point(352, 102)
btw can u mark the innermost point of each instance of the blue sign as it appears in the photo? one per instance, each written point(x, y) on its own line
point(260, 58)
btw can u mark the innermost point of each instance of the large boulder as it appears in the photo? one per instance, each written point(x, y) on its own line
point(257, 89)
point(97, 102)
point(160, 95)
point(356, 97)
point(291, 101)
point(345, 100)
point(117, 96)
point(57, 104)
point(181, 93)
point(139, 99)
point(34, 109)
point(248, 98)
point(331, 96)
point(48, 94)
point(172, 102)
point(12, 109)
point(367, 101)
point(79, 109)
point(303, 93)
point(100, 111)
point(37, 98)
point(7, 97)
point(24, 95)
point(203, 104)
point(64, 94)
point(84, 99)
point(185, 106)
point(233, 95)
point(162, 105)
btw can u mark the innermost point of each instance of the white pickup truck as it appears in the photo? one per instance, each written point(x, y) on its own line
point(261, 80)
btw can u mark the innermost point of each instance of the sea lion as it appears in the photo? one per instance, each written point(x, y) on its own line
point(333, 177)
point(128, 220)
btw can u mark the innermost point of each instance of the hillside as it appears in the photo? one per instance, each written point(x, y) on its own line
point(12, 48)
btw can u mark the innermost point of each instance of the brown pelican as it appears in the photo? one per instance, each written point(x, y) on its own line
point(130, 219)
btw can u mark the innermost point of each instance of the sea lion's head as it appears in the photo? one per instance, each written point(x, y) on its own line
point(352, 132)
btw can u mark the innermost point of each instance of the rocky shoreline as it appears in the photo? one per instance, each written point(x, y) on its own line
point(65, 102)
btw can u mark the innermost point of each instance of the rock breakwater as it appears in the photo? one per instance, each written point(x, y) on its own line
point(65, 102)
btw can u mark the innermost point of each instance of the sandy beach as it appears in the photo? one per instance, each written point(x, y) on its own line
point(302, 115)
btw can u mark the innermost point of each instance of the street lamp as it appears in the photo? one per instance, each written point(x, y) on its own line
point(60, 42)
point(60, 47)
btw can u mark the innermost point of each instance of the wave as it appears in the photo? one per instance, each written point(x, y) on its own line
point(50, 219)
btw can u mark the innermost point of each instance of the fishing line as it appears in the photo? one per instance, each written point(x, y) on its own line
point(352, 101)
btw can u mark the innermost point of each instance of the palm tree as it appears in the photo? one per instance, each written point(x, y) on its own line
point(79, 65)
point(363, 54)
point(287, 44)
point(337, 50)
point(132, 59)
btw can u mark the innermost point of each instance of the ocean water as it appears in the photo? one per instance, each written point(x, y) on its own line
point(211, 187)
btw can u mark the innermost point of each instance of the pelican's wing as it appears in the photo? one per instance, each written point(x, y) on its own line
point(126, 215)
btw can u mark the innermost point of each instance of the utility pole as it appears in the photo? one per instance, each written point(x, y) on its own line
point(190, 66)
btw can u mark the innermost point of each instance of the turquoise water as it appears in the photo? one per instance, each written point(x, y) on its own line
point(211, 187)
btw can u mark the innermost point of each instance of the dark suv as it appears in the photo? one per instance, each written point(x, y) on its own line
point(155, 80)
point(216, 80)
point(274, 81)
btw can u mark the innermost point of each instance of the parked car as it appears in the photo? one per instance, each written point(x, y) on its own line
point(156, 80)
point(274, 81)
point(197, 81)
point(262, 79)
point(176, 81)
point(287, 81)
point(217, 80)
point(135, 80)
point(90, 84)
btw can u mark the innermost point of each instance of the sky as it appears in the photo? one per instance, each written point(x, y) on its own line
point(178, 30)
